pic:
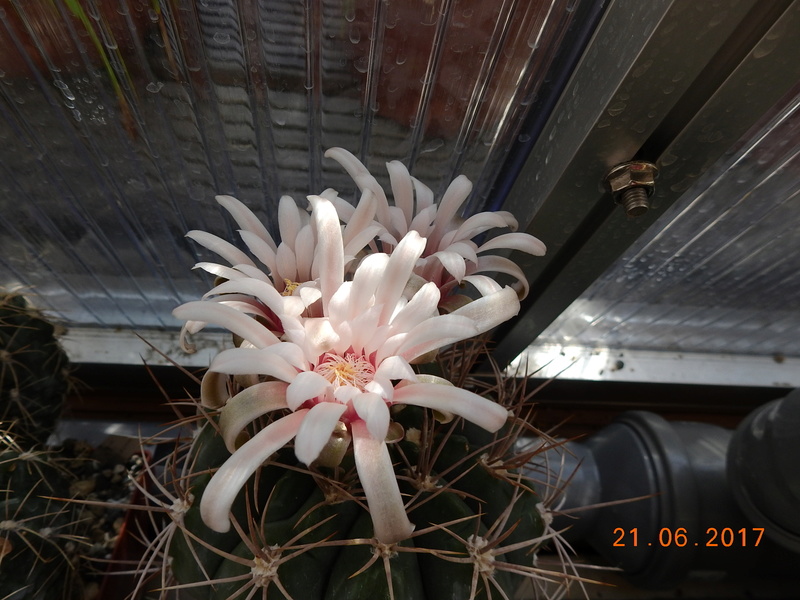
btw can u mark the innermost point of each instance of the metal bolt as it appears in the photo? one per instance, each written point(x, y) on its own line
point(632, 183)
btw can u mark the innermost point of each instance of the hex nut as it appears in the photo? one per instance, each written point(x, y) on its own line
point(633, 174)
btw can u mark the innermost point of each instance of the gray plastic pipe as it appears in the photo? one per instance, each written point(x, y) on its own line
point(717, 501)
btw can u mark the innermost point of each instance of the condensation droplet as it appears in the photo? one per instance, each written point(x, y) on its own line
point(355, 34)
point(617, 109)
point(432, 146)
point(154, 86)
point(361, 64)
point(524, 138)
point(222, 38)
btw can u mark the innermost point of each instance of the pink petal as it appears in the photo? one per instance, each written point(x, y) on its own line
point(248, 405)
point(227, 482)
point(376, 473)
point(316, 429)
point(305, 386)
point(449, 398)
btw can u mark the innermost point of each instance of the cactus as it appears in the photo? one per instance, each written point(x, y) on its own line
point(340, 455)
point(38, 534)
point(304, 532)
point(33, 371)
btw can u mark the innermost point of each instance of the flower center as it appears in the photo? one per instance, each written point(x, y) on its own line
point(350, 369)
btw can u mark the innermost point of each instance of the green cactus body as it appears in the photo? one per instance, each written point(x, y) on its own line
point(33, 372)
point(38, 545)
point(304, 534)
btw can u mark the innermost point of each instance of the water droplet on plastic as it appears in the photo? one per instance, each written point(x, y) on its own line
point(361, 64)
point(617, 109)
point(355, 34)
point(350, 13)
point(154, 86)
point(432, 146)
point(222, 38)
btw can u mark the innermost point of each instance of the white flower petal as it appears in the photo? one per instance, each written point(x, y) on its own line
point(248, 405)
point(262, 290)
point(485, 285)
point(434, 333)
point(424, 219)
point(458, 191)
point(398, 270)
point(501, 264)
point(424, 195)
point(421, 306)
point(225, 485)
point(329, 254)
point(449, 398)
point(376, 473)
point(305, 386)
point(286, 263)
point(363, 179)
point(219, 246)
point(219, 270)
point(243, 361)
point(261, 250)
point(304, 253)
point(373, 410)
point(402, 190)
point(491, 310)
point(395, 367)
point(316, 429)
point(246, 219)
point(229, 318)
point(477, 224)
point(523, 242)
point(452, 262)
point(289, 221)
point(360, 218)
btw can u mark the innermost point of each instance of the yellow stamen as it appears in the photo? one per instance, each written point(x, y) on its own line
point(289, 288)
point(348, 370)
